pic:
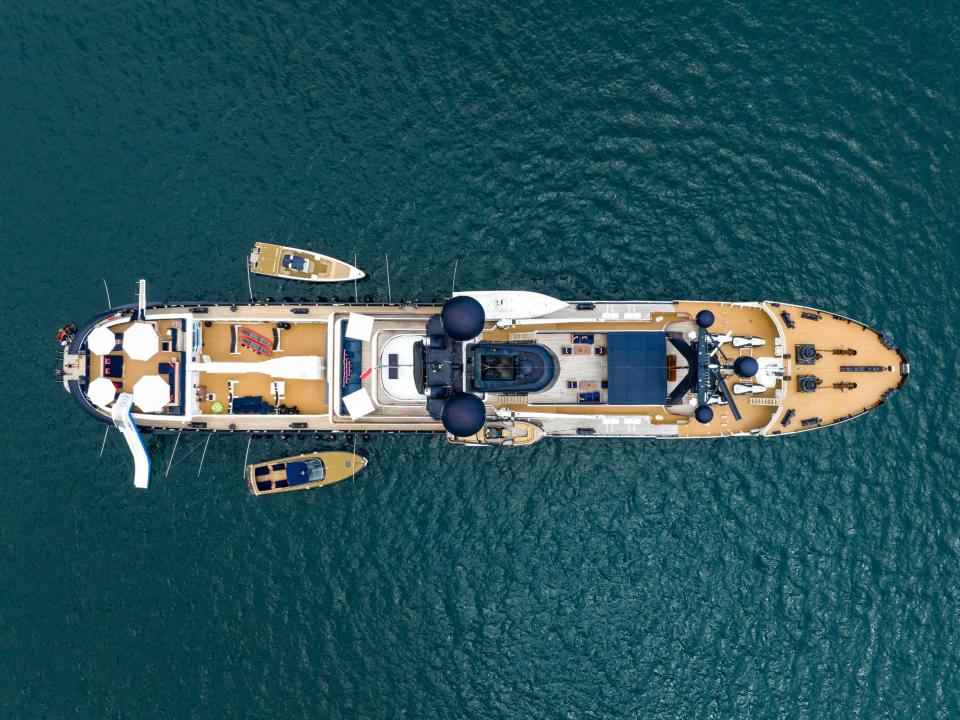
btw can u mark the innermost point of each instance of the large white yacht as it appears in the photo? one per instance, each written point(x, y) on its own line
point(487, 368)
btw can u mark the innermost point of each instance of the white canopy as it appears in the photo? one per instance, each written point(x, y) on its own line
point(359, 326)
point(358, 403)
point(101, 391)
point(151, 393)
point(140, 342)
point(101, 341)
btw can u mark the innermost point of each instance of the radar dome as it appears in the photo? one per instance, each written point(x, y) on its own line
point(745, 366)
point(463, 414)
point(462, 317)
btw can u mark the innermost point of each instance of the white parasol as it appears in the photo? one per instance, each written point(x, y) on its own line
point(140, 342)
point(101, 341)
point(151, 393)
point(101, 391)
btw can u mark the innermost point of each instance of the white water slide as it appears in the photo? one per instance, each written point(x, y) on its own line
point(124, 423)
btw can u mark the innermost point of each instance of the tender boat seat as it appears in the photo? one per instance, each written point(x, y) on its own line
point(292, 262)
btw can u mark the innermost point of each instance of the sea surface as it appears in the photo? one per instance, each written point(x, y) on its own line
point(803, 152)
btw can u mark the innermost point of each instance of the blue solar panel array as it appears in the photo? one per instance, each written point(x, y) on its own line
point(636, 368)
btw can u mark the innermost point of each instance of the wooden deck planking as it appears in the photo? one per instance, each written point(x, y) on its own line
point(827, 403)
point(271, 257)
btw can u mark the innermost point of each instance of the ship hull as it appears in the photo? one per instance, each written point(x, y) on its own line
point(317, 329)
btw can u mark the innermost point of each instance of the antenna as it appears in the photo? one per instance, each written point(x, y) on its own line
point(356, 292)
point(249, 286)
point(107, 290)
point(141, 299)
point(389, 294)
point(104, 443)
point(453, 285)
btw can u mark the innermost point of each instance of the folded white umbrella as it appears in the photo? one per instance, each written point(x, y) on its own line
point(101, 392)
point(140, 342)
point(151, 392)
point(101, 341)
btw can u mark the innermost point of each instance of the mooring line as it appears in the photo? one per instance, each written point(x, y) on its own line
point(202, 457)
point(170, 462)
point(386, 259)
point(246, 455)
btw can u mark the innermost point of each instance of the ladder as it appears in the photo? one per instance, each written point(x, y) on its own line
point(522, 336)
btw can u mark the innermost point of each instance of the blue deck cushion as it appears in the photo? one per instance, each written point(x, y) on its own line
point(294, 262)
point(250, 404)
point(301, 472)
point(298, 473)
point(113, 366)
point(636, 368)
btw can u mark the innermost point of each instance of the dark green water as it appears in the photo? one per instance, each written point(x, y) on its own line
point(585, 149)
